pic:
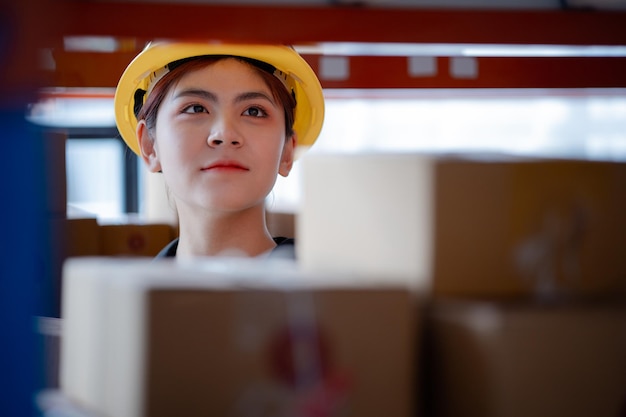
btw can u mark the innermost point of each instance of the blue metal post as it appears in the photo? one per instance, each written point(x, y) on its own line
point(24, 254)
point(22, 264)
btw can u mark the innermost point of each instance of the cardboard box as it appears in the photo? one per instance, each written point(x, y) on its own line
point(232, 337)
point(467, 227)
point(281, 224)
point(75, 237)
point(134, 239)
point(527, 360)
point(68, 238)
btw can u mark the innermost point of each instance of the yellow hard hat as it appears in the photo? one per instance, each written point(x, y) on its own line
point(295, 71)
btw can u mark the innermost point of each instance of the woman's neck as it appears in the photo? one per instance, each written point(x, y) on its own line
point(228, 234)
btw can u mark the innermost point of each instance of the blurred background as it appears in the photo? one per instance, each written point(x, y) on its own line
point(539, 78)
point(587, 123)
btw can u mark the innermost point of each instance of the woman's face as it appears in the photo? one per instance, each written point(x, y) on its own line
point(219, 138)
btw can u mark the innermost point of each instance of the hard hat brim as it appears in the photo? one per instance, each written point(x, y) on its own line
point(309, 113)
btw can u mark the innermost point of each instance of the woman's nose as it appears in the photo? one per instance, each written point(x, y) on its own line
point(224, 133)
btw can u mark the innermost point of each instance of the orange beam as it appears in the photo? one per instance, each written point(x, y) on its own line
point(296, 25)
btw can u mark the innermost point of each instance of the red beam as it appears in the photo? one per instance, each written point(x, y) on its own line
point(391, 72)
point(297, 25)
point(82, 69)
point(22, 28)
point(88, 69)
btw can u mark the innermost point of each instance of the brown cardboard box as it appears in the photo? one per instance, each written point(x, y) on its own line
point(69, 238)
point(75, 237)
point(465, 227)
point(326, 352)
point(134, 239)
point(530, 227)
point(145, 338)
point(281, 224)
point(527, 360)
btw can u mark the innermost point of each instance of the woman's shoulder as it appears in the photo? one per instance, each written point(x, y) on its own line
point(169, 251)
point(284, 241)
point(285, 248)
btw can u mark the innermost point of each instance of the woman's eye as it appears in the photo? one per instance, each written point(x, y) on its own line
point(255, 112)
point(194, 108)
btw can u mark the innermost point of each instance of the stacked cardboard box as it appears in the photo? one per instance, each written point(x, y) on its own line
point(523, 359)
point(231, 337)
point(134, 239)
point(78, 237)
point(81, 237)
point(521, 261)
point(498, 228)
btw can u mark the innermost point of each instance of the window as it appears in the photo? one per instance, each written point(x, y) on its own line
point(104, 177)
point(95, 171)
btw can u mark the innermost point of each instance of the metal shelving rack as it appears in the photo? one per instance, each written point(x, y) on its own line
point(29, 26)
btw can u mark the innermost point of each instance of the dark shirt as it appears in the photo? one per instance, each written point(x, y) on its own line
point(284, 249)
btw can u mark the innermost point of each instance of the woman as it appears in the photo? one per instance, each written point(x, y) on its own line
point(220, 122)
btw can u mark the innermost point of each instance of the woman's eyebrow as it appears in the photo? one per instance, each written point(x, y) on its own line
point(192, 92)
point(208, 95)
point(252, 95)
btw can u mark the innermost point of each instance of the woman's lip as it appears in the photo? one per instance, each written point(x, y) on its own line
point(225, 165)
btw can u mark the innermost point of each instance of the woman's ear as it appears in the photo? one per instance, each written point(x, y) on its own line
point(287, 157)
point(146, 144)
